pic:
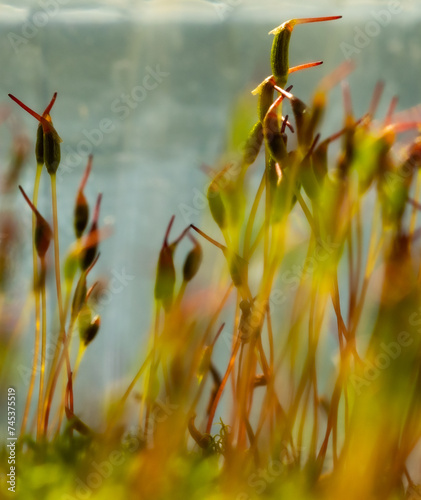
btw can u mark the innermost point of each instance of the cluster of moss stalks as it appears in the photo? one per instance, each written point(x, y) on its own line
point(268, 421)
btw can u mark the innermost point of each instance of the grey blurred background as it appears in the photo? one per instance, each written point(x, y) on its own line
point(149, 87)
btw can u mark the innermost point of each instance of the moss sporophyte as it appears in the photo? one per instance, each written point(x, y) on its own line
point(303, 346)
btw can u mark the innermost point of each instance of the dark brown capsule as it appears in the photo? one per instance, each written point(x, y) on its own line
point(52, 153)
point(80, 215)
point(88, 335)
point(193, 261)
point(89, 252)
point(43, 233)
point(81, 211)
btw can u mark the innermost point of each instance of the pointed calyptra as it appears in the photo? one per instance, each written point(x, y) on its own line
point(39, 145)
point(280, 46)
point(47, 149)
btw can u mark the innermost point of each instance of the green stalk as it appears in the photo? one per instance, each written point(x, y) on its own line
point(43, 348)
point(57, 250)
point(54, 374)
point(37, 303)
point(58, 281)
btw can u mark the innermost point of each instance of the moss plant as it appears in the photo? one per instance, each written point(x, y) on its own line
point(317, 393)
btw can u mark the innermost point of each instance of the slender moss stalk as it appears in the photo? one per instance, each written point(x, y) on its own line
point(37, 304)
point(62, 336)
point(43, 348)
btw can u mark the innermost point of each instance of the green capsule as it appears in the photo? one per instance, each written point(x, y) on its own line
point(216, 205)
point(308, 179)
point(394, 185)
point(205, 362)
point(307, 176)
point(315, 116)
point(280, 193)
point(165, 277)
point(238, 269)
point(79, 297)
point(279, 54)
point(165, 272)
point(266, 92)
point(280, 46)
point(253, 144)
point(70, 268)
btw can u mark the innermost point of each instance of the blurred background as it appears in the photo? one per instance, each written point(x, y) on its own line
point(150, 88)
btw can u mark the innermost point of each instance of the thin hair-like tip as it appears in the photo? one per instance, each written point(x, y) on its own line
point(31, 205)
point(167, 232)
